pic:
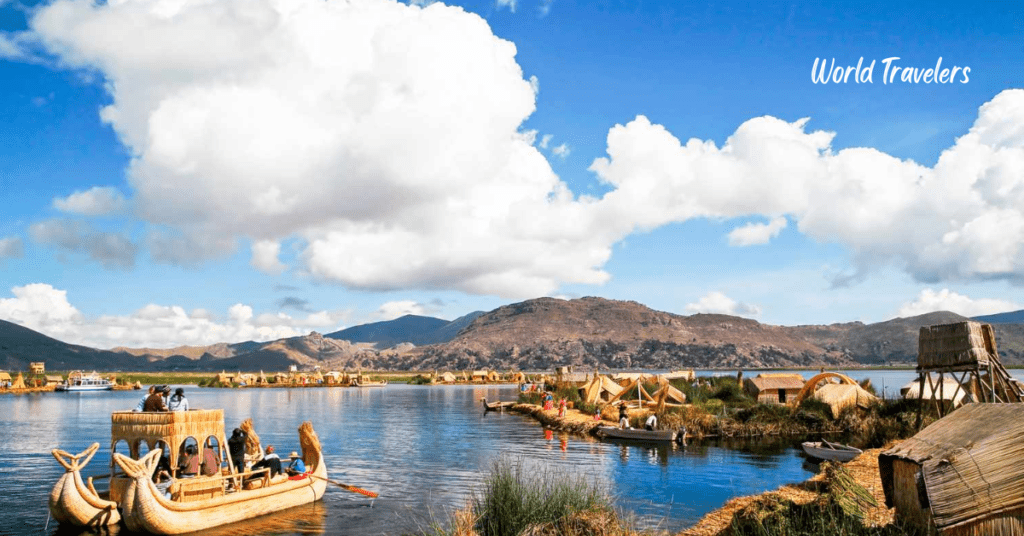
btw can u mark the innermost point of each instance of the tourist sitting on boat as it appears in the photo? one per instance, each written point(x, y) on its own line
point(236, 448)
point(156, 402)
point(210, 465)
point(142, 401)
point(651, 423)
point(297, 466)
point(270, 461)
point(178, 402)
point(623, 417)
point(188, 467)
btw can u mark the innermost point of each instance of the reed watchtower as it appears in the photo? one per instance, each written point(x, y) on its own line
point(967, 352)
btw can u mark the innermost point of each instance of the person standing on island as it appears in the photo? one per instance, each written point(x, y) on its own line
point(178, 402)
point(155, 401)
point(561, 408)
point(651, 423)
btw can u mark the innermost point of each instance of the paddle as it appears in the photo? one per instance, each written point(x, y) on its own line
point(347, 486)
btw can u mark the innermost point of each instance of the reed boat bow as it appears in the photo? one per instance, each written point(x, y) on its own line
point(72, 501)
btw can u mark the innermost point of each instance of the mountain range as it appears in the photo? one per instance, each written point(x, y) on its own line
point(533, 335)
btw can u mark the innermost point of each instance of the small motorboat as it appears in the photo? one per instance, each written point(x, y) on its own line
point(637, 434)
point(81, 382)
point(834, 452)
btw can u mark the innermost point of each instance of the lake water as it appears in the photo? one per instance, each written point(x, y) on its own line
point(424, 449)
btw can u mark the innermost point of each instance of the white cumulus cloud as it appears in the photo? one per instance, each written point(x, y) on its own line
point(753, 234)
point(45, 309)
point(96, 201)
point(265, 257)
point(962, 218)
point(718, 303)
point(384, 139)
point(395, 309)
point(929, 301)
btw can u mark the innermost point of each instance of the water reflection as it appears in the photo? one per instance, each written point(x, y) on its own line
point(424, 449)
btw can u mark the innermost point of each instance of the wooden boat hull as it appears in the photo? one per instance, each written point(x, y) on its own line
point(612, 432)
point(144, 508)
point(75, 503)
point(496, 406)
point(815, 449)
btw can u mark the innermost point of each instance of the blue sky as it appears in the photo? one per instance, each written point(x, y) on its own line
point(266, 168)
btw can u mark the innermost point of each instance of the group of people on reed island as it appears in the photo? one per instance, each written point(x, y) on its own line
point(159, 398)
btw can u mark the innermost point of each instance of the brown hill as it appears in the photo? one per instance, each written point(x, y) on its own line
point(610, 334)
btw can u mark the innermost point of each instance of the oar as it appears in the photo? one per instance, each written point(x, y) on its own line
point(348, 487)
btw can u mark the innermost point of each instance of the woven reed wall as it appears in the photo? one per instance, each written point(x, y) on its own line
point(949, 345)
point(906, 492)
point(1004, 524)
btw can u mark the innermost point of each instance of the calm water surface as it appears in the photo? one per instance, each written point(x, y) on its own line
point(424, 449)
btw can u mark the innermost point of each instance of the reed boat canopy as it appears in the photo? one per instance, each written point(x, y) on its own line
point(170, 427)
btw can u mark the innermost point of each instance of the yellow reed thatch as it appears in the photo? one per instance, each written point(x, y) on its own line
point(171, 427)
point(600, 389)
point(949, 389)
point(841, 396)
point(962, 344)
point(5, 377)
point(19, 382)
point(963, 471)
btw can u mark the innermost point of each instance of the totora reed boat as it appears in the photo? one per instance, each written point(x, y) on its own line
point(187, 504)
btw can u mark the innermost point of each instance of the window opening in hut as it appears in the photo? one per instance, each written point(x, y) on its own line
point(165, 459)
point(782, 396)
point(189, 447)
point(122, 447)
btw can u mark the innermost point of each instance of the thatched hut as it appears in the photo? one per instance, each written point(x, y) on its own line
point(479, 376)
point(53, 380)
point(774, 388)
point(19, 382)
point(842, 396)
point(493, 376)
point(948, 390)
point(448, 377)
point(517, 377)
point(226, 377)
point(333, 377)
point(282, 377)
point(5, 380)
point(962, 474)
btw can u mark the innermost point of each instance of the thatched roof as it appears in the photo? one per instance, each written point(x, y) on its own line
point(5, 377)
point(765, 382)
point(944, 390)
point(54, 379)
point(448, 377)
point(632, 376)
point(970, 462)
point(840, 396)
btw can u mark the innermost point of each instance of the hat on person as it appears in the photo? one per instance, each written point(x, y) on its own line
point(293, 454)
point(167, 389)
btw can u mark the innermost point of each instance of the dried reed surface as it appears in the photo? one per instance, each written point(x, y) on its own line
point(970, 462)
point(839, 397)
point(949, 345)
point(863, 469)
point(171, 426)
point(574, 421)
point(763, 382)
